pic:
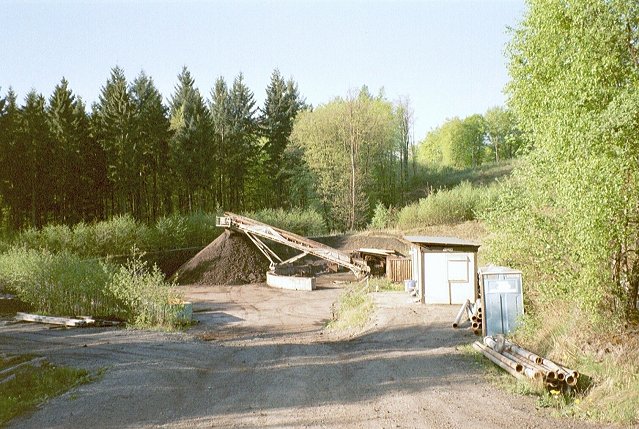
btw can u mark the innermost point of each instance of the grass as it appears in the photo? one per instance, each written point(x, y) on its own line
point(34, 385)
point(381, 284)
point(353, 309)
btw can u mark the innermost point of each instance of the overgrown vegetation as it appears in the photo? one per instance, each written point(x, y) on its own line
point(306, 222)
point(353, 308)
point(459, 204)
point(33, 385)
point(441, 177)
point(568, 218)
point(62, 284)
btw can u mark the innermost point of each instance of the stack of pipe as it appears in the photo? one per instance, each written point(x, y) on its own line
point(477, 318)
point(471, 312)
point(521, 363)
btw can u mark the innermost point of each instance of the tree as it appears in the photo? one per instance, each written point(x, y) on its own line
point(276, 123)
point(115, 122)
point(502, 132)
point(152, 137)
point(243, 148)
point(9, 156)
point(191, 146)
point(457, 143)
point(342, 142)
point(33, 177)
point(404, 115)
point(65, 121)
point(570, 219)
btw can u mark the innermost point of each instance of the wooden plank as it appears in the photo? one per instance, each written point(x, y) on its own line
point(65, 321)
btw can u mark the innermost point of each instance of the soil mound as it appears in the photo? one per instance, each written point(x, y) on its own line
point(231, 259)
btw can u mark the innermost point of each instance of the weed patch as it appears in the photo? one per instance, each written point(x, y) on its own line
point(353, 309)
point(34, 385)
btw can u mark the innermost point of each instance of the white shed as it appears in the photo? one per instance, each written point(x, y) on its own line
point(444, 268)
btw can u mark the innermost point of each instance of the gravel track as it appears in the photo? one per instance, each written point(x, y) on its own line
point(261, 358)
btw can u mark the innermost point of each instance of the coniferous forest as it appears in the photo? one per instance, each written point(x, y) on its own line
point(62, 161)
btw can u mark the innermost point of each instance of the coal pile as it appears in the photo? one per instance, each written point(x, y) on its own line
point(232, 259)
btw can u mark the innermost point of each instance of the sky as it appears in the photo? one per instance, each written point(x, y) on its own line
point(446, 57)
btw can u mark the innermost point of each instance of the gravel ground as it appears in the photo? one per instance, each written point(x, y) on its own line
point(261, 358)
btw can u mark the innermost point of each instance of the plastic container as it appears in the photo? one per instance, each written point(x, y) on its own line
point(409, 285)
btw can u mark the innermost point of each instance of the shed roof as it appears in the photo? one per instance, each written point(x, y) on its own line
point(440, 241)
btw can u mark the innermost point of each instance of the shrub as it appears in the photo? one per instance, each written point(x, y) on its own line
point(383, 217)
point(458, 204)
point(306, 222)
point(64, 285)
point(60, 284)
point(145, 298)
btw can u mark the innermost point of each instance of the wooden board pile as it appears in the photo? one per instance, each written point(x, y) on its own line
point(471, 312)
point(522, 363)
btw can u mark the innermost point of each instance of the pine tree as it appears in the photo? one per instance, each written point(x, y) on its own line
point(34, 176)
point(9, 155)
point(66, 161)
point(116, 132)
point(243, 139)
point(276, 122)
point(152, 135)
point(191, 148)
point(220, 113)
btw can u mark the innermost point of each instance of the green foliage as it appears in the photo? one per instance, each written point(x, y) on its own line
point(117, 236)
point(58, 284)
point(458, 204)
point(306, 222)
point(62, 284)
point(34, 385)
point(569, 219)
point(145, 298)
point(447, 177)
point(350, 147)
point(469, 142)
point(383, 217)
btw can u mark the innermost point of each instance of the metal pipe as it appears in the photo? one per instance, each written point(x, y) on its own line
point(460, 314)
point(497, 359)
point(522, 352)
point(529, 370)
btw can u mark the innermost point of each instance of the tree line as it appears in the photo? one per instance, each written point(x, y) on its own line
point(61, 162)
point(472, 141)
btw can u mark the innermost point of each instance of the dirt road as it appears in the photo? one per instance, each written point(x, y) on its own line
point(261, 358)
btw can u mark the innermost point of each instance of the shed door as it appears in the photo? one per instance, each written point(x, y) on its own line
point(436, 278)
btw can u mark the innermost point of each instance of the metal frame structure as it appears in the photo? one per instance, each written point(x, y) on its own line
point(257, 230)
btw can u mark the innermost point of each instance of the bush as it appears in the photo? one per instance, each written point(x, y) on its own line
point(459, 204)
point(306, 222)
point(60, 284)
point(64, 285)
point(383, 217)
point(145, 298)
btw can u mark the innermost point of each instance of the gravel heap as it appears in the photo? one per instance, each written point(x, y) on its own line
point(231, 259)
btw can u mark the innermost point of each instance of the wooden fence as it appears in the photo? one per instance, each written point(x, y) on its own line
point(398, 269)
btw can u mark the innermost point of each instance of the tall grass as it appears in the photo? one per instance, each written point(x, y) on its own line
point(61, 283)
point(459, 204)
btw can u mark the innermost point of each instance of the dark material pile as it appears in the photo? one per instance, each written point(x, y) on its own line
point(232, 259)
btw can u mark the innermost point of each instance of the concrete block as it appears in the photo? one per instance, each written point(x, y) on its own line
point(290, 282)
